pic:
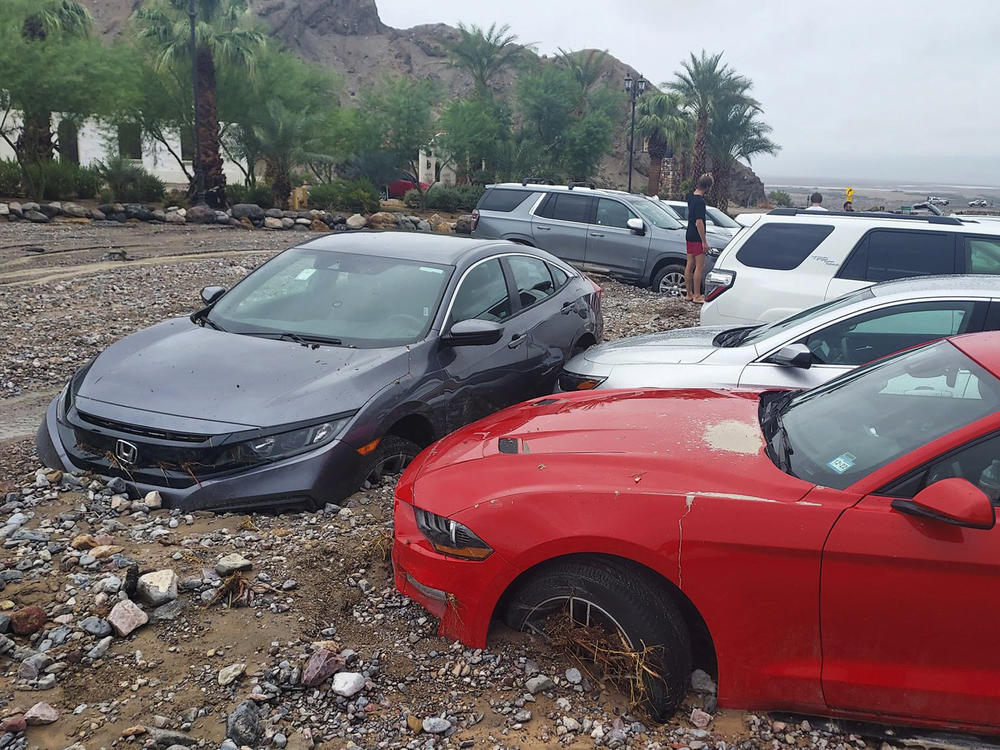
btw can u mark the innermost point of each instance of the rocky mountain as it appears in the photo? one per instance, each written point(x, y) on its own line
point(349, 37)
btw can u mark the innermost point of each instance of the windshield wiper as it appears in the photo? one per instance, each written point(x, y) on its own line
point(303, 339)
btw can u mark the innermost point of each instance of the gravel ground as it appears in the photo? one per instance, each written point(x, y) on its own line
point(253, 656)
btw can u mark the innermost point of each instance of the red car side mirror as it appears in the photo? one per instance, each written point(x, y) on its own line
point(955, 501)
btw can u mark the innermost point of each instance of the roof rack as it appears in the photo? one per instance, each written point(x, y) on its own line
point(590, 185)
point(864, 215)
point(535, 181)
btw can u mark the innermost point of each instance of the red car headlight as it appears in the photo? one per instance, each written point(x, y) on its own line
point(451, 537)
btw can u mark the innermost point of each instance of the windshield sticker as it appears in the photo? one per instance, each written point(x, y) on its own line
point(425, 269)
point(842, 463)
point(305, 273)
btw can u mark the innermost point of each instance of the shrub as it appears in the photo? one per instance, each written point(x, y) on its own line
point(260, 194)
point(453, 198)
point(412, 199)
point(130, 183)
point(780, 198)
point(10, 177)
point(88, 182)
point(178, 198)
point(358, 195)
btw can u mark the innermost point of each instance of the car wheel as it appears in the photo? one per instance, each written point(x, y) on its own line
point(616, 617)
point(392, 455)
point(669, 280)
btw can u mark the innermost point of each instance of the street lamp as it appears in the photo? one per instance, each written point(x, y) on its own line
point(199, 174)
point(634, 89)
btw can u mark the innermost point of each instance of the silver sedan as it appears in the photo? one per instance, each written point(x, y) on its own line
point(801, 351)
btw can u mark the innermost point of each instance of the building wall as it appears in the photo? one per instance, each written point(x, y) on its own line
point(429, 165)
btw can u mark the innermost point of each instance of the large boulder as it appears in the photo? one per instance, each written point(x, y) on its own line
point(75, 210)
point(383, 220)
point(357, 221)
point(36, 217)
point(247, 211)
point(51, 210)
point(464, 224)
point(273, 223)
point(439, 225)
point(201, 215)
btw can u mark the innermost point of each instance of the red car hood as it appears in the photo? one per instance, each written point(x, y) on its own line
point(661, 441)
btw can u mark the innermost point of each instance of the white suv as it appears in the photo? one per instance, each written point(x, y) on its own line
point(791, 259)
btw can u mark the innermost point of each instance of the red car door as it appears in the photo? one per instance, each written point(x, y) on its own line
point(910, 606)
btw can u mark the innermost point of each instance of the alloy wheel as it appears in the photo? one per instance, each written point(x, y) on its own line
point(672, 284)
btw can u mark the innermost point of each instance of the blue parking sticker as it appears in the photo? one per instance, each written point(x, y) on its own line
point(842, 463)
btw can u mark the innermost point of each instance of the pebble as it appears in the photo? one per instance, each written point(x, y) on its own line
point(348, 684)
point(229, 675)
point(41, 713)
point(436, 725)
point(232, 563)
point(538, 684)
point(126, 617)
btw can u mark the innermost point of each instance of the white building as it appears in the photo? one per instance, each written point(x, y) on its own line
point(434, 169)
point(94, 141)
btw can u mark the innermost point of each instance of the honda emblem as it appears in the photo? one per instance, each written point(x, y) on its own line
point(126, 452)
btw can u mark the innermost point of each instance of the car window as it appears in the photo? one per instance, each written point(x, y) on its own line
point(482, 294)
point(613, 214)
point(532, 279)
point(982, 255)
point(559, 276)
point(879, 333)
point(681, 210)
point(656, 213)
point(978, 463)
point(568, 207)
point(719, 218)
point(886, 254)
point(503, 199)
point(782, 246)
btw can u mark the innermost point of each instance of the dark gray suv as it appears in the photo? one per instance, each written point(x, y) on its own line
point(626, 236)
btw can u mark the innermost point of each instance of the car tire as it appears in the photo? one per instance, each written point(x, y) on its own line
point(624, 597)
point(669, 280)
point(392, 455)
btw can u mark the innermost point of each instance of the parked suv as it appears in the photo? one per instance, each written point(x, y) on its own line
point(716, 221)
point(626, 236)
point(791, 259)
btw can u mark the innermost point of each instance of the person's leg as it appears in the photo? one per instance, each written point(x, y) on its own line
point(688, 277)
point(699, 271)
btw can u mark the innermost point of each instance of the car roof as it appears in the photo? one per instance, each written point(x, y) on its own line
point(585, 189)
point(950, 283)
point(984, 348)
point(876, 220)
point(429, 247)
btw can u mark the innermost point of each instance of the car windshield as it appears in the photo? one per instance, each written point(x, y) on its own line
point(319, 296)
point(840, 432)
point(761, 333)
point(721, 219)
point(655, 213)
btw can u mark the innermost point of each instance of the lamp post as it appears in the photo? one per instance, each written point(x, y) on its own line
point(199, 174)
point(634, 89)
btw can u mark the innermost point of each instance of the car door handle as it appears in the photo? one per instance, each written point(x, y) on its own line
point(597, 234)
point(542, 227)
point(516, 340)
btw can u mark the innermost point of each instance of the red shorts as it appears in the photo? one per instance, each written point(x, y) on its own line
point(695, 248)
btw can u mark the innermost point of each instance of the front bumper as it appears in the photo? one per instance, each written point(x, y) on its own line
point(461, 593)
point(328, 474)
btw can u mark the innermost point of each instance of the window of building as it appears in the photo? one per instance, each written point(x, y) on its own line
point(130, 141)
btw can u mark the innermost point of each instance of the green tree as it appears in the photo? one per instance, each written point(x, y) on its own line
point(780, 198)
point(587, 66)
point(45, 61)
point(736, 134)
point(484, 53)
point(224, 34)
point(703, 83)
point(663, 122)
point(472, 131)
point(398, 116)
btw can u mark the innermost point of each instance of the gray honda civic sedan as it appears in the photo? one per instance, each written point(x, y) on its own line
point(326, 368)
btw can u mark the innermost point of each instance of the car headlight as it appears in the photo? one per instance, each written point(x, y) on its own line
point(451, 537)
point(284, 444)
point(571, 381)
point(73, 387)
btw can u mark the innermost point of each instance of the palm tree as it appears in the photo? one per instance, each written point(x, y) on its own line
point(703, 83)
point(223, 35)
point(51, 20)
point(587, 66)
point(736, 133)
point(285, 138)
point(484, 53)
point(663, 121)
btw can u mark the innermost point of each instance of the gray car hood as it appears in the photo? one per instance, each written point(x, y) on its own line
point(681, 346)
point(178, 369)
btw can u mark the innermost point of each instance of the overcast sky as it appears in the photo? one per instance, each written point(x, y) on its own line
point(887, 90)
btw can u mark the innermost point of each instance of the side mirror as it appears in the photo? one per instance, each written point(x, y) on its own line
point(793, 355)
point(473, 333)
point(211, 293)
point(636, 225)
point(956, 501)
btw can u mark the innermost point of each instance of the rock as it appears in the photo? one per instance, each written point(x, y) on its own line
point(573, 676)
point(100, 649)
point(464, 224)
point(700, 719)
point(423, 226)
point(321, 665)
point(169, 738)
point(105, 550)
point(415, 724)
point(273, 223)
point(27, 620)
point(15, 723)
point(247, 211)
point(75, 210)
point(274, 213)
point(175, 217)
point(169, 611)
point(357, 221)
point(232, 563)
point(318, 226)
point(348, 684)
point(221, 217)
point(126, 617)
point(96, 626)
point(4, 210)
point(243, 724)
point(435, 725)
point(4, 624)
point(229, 675)
point(41, 713)
point(439, 225)
point(571, 724)
point(83, 541)
point(201, 215)
point(51, 210)
point(382, 220)
point(303, 222)
point(153, 501)
point(701, 682)
point(287, 223)
point(157, 588)
point(36, 217)
point(538, 684)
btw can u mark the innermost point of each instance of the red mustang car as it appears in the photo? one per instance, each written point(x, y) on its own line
point(830, 551)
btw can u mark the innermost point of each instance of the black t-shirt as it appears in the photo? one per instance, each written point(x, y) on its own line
point(696, 210)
